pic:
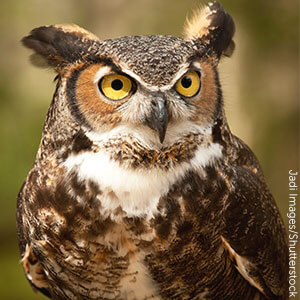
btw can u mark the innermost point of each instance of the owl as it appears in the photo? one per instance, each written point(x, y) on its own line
point(139, 189)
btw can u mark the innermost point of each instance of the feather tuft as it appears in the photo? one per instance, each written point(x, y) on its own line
point(199, 24)
point(212, 26)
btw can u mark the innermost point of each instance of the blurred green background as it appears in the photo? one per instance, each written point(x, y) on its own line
point(260, 85)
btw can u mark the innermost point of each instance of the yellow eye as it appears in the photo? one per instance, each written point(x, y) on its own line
point(189, 84)
point(115, 86)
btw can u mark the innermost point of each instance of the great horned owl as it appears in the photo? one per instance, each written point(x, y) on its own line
point(139, 189)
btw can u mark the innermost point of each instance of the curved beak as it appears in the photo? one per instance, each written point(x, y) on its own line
point(158, 119)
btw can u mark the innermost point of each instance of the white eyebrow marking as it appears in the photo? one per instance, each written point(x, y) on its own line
point(197, 65)
point(103, 70)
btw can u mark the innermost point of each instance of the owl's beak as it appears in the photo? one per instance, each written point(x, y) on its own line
point(158, 119)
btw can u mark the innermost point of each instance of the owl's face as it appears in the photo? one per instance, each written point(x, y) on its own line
point(159, 87)
point(164, 98)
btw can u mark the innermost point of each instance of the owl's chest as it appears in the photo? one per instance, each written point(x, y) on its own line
point(115, 227)
point(113, 221)
point(126, 191)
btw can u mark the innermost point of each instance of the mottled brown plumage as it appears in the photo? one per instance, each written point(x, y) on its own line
point(139, 189)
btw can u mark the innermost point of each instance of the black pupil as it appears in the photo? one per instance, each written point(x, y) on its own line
point(186, 82)
point(117, 84)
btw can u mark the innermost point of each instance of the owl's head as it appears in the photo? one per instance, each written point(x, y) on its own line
point(161, 87)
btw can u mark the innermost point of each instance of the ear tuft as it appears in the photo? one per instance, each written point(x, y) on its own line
point(212, 26)
point(198, 25)
point(75, 29)
point(58, 45)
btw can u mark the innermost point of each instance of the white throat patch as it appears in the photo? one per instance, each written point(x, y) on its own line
point(135, 191)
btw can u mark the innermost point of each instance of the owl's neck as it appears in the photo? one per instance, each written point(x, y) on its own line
point(139, 147)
